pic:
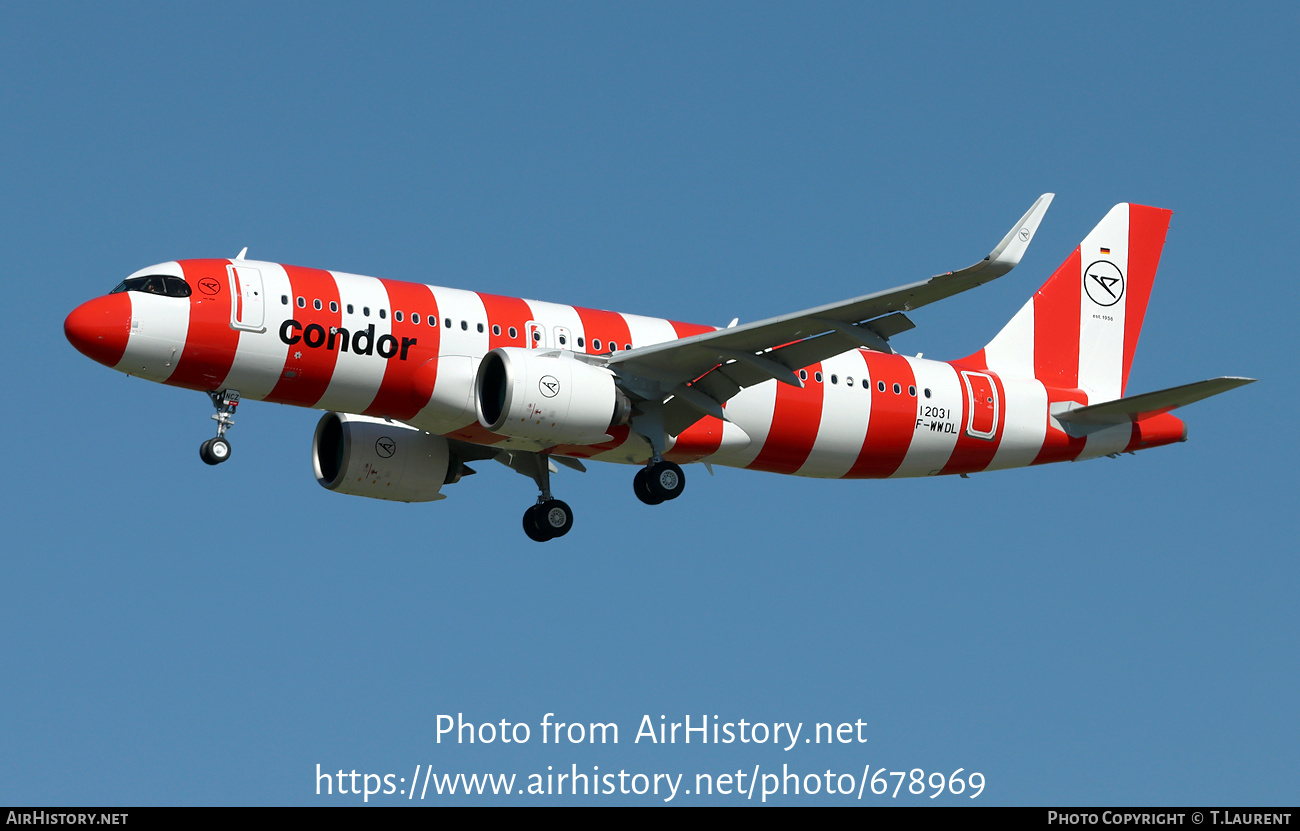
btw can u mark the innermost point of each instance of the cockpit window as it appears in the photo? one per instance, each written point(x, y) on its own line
point(155, 284)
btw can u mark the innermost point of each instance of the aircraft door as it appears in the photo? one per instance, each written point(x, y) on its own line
point(536, 334)
point(982, 405)
point(248, 309)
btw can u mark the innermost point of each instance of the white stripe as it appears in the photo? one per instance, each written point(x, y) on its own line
point(157, 340)
point(356, 378)
point(930, 450)
point(260, 357)
point(843, 425)
point(557, 316)
point(1011, 353)
point(648, 330)
point(1101, 327)
point(752, 410)
point(466, 312)
point(1025, 427)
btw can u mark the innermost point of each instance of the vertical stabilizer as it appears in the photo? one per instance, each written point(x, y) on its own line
point(1079, 331)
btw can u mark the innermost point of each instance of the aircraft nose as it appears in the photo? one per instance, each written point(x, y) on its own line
point(99, 328)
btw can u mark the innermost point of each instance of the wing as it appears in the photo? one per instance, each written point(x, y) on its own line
point(699, 373)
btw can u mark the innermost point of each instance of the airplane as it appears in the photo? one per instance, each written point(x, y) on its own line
point(418, 381)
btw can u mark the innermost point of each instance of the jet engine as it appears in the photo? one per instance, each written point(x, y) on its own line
point(372, 457)
point(550, 397)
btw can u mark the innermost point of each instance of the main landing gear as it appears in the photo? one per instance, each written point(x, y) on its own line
point(214, 451)
point(658, 482)
point(549, 518)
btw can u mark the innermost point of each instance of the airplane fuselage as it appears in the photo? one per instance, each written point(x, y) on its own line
point(410, 352)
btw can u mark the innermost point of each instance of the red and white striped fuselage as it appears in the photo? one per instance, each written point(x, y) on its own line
point(410, 352)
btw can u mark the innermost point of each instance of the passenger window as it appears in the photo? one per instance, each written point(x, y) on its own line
point(803, 375)
point(464, 325)
point(817, 376)
point(315, 304)
point(480, 328)
point(580, 343)
point(302, 302)
point(595, 344)
point(396, 316)
point(514, 333)
point(897, 389)
point(284, 300)
point(496, 330)
point(911, 391)
point(350, 308)
point(447, 323)
point(383, 314)
point(334, 307)
point(415, 318)
point(880, 385)
point(365, 311)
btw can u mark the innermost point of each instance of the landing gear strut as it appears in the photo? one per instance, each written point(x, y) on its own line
point(214, 451)
point(658, 482)
point(549, 518)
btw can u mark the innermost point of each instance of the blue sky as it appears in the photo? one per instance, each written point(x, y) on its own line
point(1108, 632)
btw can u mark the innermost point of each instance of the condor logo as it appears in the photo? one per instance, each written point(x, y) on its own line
point(1104, 283)
point(362, 342)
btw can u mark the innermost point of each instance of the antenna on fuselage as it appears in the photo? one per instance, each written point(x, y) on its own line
point(242, 252)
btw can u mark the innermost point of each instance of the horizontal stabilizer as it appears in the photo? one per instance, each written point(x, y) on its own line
point(1138, 407)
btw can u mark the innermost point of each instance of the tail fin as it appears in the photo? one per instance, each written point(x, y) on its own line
point(1080, 329)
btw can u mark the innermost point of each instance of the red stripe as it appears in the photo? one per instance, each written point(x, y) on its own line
point(506, 312)
point(307, 371)
point(701, 439)
point(971, 454)
point(978, 361)
point(892, 422)
point(1155, 431)
point(396, 397)
point(1056, 326)
point(603, 326)
point(1057, 446)
point(1146, 239)
point(210, 343)
point(100, 328)
point(686, 330)
point(795, 419)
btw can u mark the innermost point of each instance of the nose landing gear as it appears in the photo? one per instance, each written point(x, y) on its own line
point(216, 450)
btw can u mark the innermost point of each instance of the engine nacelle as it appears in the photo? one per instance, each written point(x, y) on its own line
point(547, 396)
point(372, 457)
